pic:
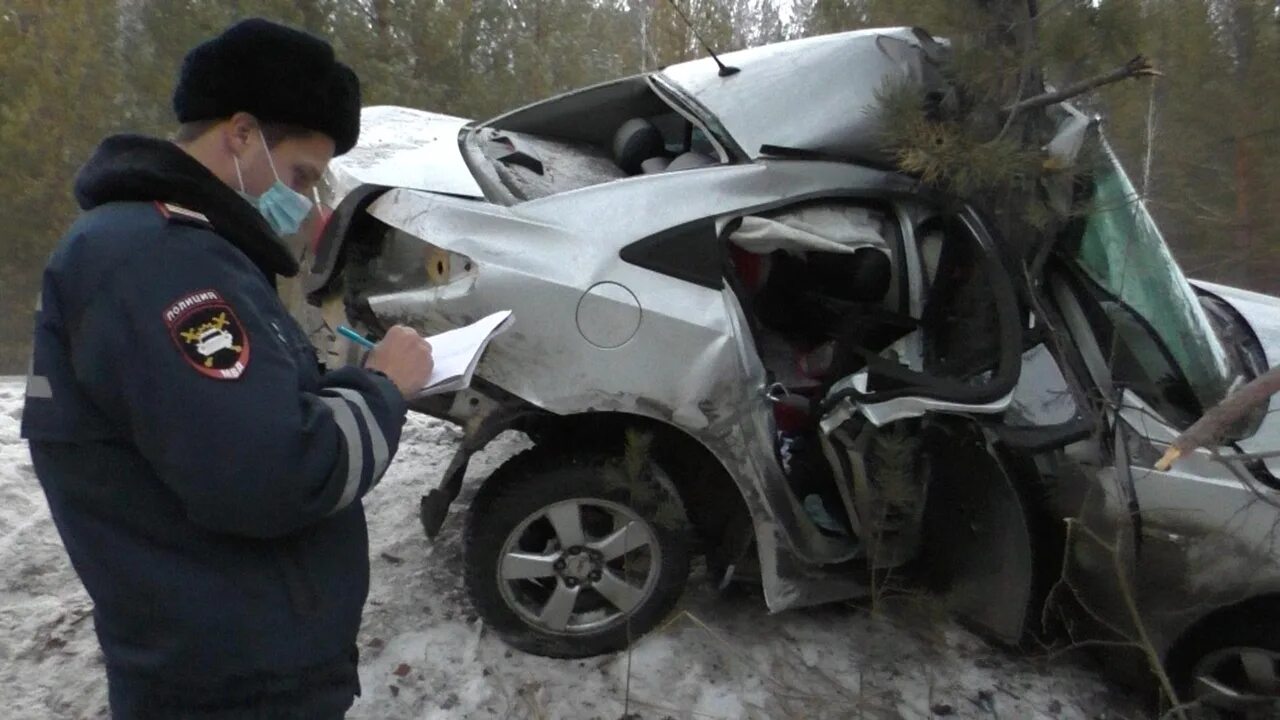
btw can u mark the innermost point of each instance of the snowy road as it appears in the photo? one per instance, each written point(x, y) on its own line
point(425, 656)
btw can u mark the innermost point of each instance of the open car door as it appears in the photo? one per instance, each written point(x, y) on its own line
point(915, 436)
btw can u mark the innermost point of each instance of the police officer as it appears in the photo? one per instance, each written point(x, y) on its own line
point(205, 476)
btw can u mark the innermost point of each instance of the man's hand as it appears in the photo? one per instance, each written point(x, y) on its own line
point(404, 357)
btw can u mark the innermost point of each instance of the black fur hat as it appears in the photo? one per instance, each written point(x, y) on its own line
point(275, 73)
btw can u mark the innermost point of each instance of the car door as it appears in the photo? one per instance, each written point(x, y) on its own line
point(916, 436)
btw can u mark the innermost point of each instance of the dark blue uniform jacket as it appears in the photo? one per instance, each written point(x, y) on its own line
point(204, 474)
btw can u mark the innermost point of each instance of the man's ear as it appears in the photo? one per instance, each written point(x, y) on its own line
point(239, 132)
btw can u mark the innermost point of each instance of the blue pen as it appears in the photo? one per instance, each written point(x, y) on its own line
point(354, 336)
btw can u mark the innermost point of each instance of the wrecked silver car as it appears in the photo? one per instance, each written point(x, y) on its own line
point(738, 336)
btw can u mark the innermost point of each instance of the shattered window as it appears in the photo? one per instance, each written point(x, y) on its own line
point(1123, 251)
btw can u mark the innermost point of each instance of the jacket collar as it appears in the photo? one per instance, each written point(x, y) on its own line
point(127, 168)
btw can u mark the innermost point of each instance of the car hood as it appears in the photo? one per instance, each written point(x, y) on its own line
point(1262, 312)
point(406, 148)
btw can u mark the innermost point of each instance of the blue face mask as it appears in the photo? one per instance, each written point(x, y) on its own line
point(283, 207)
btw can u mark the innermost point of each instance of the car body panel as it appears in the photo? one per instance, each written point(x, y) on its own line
point(405, 148)
point(558, 242)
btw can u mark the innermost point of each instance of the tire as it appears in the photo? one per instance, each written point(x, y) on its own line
point(632, 531)
point(1214, 648)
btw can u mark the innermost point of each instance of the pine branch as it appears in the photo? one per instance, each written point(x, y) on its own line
point(1024, 72)
point(1137, 67)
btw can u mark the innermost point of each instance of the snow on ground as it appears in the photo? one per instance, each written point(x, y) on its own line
point(425, 655)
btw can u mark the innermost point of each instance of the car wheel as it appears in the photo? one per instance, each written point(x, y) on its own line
point(569, 556)
point(1229, 665)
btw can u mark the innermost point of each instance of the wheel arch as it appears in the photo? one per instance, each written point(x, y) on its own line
point(350, 222)
point(712, 498)
point(1261, 604)
point(1259, 613)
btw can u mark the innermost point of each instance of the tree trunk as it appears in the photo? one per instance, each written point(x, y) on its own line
point(1242, 40)
point(1243, 224)
point(1011, 26)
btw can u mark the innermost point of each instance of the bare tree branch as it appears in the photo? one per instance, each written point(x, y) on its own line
point(1214, 423)
point(1137, 67)
point(1135, 616)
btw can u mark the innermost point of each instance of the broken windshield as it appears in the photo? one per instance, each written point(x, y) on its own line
point(1123, 251)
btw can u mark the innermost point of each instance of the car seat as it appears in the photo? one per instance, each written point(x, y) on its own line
point(844, 305)
point(636, 141)
point(688, 161)
point(638, 148)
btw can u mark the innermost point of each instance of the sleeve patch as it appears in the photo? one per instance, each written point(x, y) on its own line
point(209, 335)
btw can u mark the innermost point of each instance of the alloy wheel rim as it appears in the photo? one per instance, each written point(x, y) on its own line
point(578, 566)
point(1239, 680)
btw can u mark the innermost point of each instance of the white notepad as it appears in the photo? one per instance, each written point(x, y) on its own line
point(457, 352)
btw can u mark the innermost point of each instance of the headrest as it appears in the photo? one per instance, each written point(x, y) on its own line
point(635, 141)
